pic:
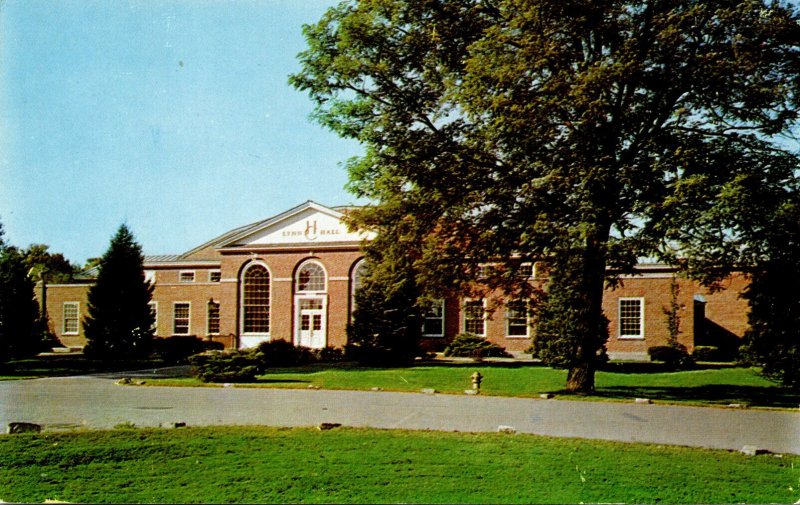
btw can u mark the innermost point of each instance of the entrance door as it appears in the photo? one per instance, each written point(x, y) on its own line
point(311, 324)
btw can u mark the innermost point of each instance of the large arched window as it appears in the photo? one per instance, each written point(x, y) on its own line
point(356, 279)
point(311, 278)
point(255, 299)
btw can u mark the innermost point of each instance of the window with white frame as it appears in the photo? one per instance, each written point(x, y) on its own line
point(631, 318)
point(150, 276)
point(311, 278)
point(186, 276)
point(256, 300)
point(213, 317)
point(526, 271)
point(214, 276)
point(474, 320)
point(154, 312)
point(180, 318)
point(433, 319)
point(71, 318)
point(517, 318)
point(359, 271)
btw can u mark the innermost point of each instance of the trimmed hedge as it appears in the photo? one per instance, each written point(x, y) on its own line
point(175, 350)
point(231, 366)
point(671, 356)
point(468, 345)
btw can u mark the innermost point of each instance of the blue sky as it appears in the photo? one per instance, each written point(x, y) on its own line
point(173, 116)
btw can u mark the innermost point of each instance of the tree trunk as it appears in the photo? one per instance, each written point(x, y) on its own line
point(580, 378)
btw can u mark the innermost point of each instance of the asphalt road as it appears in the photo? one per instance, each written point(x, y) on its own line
point(96, 402)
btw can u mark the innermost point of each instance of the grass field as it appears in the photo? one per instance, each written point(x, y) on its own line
point(270, 465)
point(710, 386)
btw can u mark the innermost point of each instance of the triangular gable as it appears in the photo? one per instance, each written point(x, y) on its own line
point(309, 223)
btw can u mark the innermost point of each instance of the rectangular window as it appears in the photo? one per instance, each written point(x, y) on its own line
point(214, 276)
point(526, 271)
point(154, 311)
point(433, 320)
point(631, 318)
point(71, 318)
point(474, 321)
point(213, 317)
point(186, 276)
point(150, 276)
point(517, 318)
point(180, 318)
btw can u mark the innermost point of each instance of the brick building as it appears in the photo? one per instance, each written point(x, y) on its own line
point(293, 276)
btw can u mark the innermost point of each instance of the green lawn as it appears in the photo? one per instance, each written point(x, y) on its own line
point(715, 386)
point(271, 465)
point(66, 365)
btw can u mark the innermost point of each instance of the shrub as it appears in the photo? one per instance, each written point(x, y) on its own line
point(282, 353)
point(472, 346)
point(672, 356)
point(707, 353)
point(329, 354)
point(231, 366)
point(178, 349)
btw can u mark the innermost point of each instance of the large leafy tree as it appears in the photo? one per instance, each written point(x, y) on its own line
point(21, 330)
point(773, 341)
point(43, 264)
point(119, 322)
point(595, 130)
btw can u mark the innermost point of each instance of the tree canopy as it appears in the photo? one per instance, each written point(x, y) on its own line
point(22, 333)
point(119, 321)
point(597, 131)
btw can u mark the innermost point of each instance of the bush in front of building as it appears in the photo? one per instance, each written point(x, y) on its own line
point(227, 366)
point(282, 353)
point(177, 349)
point(671, 355)
point(468, 345)
point(708, 353)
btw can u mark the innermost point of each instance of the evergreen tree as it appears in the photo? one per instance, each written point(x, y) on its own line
point(387, 323)
point(21, 331)
point(119, 321)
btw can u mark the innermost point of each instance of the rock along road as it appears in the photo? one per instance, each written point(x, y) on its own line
point(97, 402)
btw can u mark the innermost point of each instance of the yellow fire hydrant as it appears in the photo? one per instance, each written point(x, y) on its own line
point(477, 378)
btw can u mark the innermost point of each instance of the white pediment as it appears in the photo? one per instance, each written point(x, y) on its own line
point(310, 224)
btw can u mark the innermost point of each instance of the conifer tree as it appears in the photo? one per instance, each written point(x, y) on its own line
point(21, 332)
point(119, 321)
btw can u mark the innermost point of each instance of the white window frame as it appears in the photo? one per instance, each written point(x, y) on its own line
point(640, 334)
point(150, 276)
point(154, 309)
point(299, 270)
point(188, 318)
point(527, 265)
point(464, 316)
point(76, 318)
point(186, 272)
point(212, 273)
point(242, 288)
point(527, 319)
point(425, 317)
point(208, 318)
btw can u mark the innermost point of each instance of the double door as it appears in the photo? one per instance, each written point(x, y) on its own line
point(310, 322)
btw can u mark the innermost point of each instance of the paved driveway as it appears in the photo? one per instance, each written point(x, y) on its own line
point(97, 402)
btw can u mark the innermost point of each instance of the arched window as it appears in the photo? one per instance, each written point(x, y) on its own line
point(311, 278)
point(356, 280)
point(255, 299)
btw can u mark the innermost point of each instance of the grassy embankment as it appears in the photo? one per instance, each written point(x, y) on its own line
point(261, 465)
